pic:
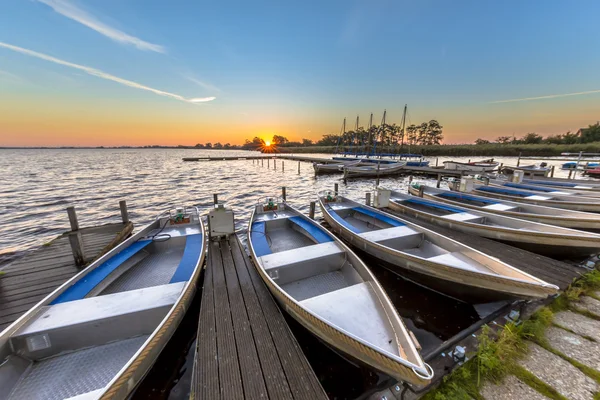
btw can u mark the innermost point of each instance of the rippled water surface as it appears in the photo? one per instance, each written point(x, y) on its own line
point(37, 185)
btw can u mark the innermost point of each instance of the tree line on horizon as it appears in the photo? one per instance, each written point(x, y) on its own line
point(385, 135)
point(588, 135)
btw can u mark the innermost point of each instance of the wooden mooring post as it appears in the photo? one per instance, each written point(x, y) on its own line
point(283, 194)
point(298, 167)
point(439, 180)
point(519, 160)
point(552, 172)
point(335, 189)
point(274, 164)
point(75, 239)
point(368, 198)
point(311, 212)
point(124, 212)
point(282, 166)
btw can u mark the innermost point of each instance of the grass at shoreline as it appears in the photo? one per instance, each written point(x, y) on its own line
point(466, 150)
point(499, 352)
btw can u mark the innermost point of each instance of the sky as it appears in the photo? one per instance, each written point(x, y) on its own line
point(143, 72)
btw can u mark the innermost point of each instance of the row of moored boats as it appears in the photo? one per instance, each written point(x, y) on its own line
point(106, 326)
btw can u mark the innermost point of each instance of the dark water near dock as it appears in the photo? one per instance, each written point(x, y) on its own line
point(37, 185)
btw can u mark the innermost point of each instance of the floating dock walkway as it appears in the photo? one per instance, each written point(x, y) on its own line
point(29, 279)
point(406, 170)
point(245, 349)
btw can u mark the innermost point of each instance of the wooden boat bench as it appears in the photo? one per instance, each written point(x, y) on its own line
point(95, 321)
point(464, 217)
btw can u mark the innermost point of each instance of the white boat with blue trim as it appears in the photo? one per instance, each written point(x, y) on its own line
point(545, 189)
point(562, 183)
point(539, 238)
point(550, 199)
point(427, 257)
point(320, 282)
point(545, 215)
point(97, 335)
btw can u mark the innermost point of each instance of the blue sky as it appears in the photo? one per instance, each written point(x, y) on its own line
point(240, 69)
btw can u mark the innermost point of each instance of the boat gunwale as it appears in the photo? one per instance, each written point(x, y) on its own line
point(537, 283)
point(380, 292)
point(576, 235)
point(131, 366)
point(516, 214)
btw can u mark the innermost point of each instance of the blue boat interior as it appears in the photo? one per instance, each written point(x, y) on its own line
point(552, 183)
point(286, 233)
point(529, 187)
point(95, 326)
point(500, 190)
point(467, 199)
point(430, 207)
point(361, 219)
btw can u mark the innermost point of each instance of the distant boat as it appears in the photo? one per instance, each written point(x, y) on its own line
point(430, 258)
point(595, 173)
point(529, 170)
point(538, 238)
point(332, 168)
point(530, 212)
point(331, 292)
point(476, 166)
point(580, 165)
point(373, 170)
point(98, 334)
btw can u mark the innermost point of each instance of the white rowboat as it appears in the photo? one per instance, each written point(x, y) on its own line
point(97, 335)
point(331, 292)
point(430, 258)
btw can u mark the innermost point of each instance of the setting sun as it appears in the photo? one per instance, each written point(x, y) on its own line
point(267, 143)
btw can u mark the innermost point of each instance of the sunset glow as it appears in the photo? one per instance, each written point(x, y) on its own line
point(82, 73)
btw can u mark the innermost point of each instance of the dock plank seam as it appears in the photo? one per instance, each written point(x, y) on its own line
point(229, 371)
point(271, 366)
point(299, 378)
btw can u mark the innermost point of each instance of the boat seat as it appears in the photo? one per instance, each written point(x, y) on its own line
point(84, 286)
point(303, 262)
point(459, 260)
point(500, 207)
point(396, 237)
point(191, 255)
point(464, 217)
point(379, 216)
point(314, 231)
point(95, 321)
point(258, 234)
point(538, 197)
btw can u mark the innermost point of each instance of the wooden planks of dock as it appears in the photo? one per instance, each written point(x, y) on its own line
point(245, 350)
point(31, 278)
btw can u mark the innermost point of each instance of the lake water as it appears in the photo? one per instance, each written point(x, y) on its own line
point(37, 185)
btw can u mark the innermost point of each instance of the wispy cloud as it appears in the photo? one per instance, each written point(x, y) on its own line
point(70, 10)
point(10, 77)
point(204, 85)
point(103, 75)
point(550, 96)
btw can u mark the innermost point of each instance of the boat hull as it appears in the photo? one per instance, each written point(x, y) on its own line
point(460, 284)
point(590, 225)
point(560, 247)
point(340, 342)
point(457, 166)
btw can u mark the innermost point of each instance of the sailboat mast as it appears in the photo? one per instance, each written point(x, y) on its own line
point(403, 127)
point(370, 136)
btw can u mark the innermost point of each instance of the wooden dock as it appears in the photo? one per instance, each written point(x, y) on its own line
point(245, 349)
point(29, 279)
